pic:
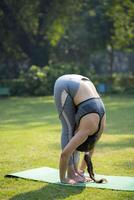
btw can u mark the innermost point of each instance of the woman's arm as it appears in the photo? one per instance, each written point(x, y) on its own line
point(78, 139)
point(88, 125)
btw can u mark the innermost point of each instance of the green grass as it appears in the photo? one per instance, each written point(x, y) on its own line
point(30, 137)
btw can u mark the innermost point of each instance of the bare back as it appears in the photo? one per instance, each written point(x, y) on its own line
point(86, 90)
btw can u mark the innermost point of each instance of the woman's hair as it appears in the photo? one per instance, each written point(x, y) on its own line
point(88, 161)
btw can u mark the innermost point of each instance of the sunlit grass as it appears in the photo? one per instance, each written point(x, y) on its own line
point(30, 137)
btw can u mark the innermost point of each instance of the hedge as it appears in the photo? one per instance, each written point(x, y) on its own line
point(40, 81)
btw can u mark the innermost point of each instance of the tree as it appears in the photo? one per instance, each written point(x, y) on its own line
point(88, 34)
point(122, 15)
point(70, 31)
point(31, 27)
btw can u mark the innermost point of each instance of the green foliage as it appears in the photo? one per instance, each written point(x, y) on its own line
point(29, 29)
point(55, 33)
point(34, 80)
point(127, 83)
point(39, 81)
point(116, 83)
point(122, 14)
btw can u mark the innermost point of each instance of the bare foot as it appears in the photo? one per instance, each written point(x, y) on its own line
point(69, 181)
point(75, 176)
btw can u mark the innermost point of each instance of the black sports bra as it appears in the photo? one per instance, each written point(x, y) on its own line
point(92, 105)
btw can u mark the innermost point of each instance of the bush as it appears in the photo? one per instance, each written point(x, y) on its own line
point(115, 84)
point(37, 81)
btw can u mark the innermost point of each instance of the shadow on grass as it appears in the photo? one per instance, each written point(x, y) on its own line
point(27, 110)
point(123, 143)
point(49, 192)
point(28, 114)
point(127, 165)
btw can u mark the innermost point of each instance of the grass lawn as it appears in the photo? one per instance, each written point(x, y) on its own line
point(30, 138)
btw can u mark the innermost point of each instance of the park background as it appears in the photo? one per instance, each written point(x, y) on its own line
point(41, 40)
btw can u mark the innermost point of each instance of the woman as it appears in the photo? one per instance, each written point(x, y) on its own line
point(82, 115)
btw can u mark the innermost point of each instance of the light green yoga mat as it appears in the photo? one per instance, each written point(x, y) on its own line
point(50, 175)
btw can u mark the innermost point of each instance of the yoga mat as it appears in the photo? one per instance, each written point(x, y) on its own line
point(51, 175)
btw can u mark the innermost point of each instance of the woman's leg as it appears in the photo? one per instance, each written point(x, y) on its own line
point(66, 110)
point(67, 118)
point(68, 126)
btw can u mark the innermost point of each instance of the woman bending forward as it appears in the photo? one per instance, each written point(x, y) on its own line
point(82, 116)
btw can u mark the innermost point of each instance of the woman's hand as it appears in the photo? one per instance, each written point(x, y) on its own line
point(87, 178)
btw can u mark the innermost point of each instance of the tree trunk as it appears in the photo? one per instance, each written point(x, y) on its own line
point(111, 61)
